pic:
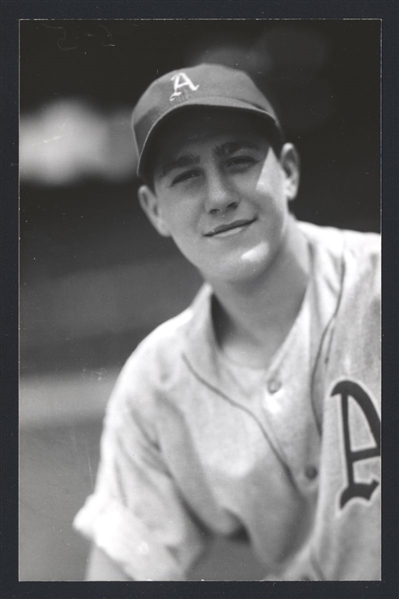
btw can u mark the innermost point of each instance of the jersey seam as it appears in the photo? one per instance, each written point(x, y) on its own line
point(323, 337)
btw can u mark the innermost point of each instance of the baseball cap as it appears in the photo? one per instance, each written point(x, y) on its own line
point(202, 85)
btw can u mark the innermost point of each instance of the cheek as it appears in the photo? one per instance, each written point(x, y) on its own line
point(271, 180)
point(181, 214)
point(170, 214)
point(181, 220)
point(272, 201)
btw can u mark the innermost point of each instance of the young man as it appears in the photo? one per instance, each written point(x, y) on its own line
point(256, 411)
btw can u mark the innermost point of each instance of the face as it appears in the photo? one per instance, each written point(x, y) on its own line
point(221, 193)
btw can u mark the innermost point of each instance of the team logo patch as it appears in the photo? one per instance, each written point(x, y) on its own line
point(354, 398)
point(181, 81)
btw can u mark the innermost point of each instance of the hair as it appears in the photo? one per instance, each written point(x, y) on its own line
point(272, 133)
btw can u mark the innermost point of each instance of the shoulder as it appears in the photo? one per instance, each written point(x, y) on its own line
point(349, 262)
point(352, 253)
point(167, 341)
point(336, 240)
point(157, 362)
point(347, 271)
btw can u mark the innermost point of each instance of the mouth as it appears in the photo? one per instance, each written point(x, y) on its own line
point(232, 227)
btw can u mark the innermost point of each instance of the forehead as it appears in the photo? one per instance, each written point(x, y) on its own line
point(199, 125)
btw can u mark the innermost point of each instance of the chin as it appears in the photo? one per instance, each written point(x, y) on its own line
point(241, 272)
point(258, 255)
point(257, 259)
point(238, 267)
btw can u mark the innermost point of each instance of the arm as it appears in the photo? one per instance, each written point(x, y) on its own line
point(136, 514)
point(101, 567)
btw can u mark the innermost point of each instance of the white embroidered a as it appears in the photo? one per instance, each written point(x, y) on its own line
point(181, 80)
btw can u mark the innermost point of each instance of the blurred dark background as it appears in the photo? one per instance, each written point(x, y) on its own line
point(94, 276)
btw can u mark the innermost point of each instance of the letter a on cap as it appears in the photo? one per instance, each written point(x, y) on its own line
point(181, 80)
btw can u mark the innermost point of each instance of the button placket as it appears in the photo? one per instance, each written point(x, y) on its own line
point(311, 472)
point(273, 385)
point(272, 403)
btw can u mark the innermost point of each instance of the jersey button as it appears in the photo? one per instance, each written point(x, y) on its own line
point(311, 472)
point(273, 385)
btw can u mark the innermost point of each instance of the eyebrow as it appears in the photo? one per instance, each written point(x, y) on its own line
point(230, 147)
point(180, 162)
point(226, 149)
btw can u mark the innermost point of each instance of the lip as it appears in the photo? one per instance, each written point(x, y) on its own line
point(237, 224)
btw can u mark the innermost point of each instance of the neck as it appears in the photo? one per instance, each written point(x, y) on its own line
point(252, 320)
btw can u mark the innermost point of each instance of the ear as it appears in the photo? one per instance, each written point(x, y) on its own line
point(150, 204)
point(290, 162)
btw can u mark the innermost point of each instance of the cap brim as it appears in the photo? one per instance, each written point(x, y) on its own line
point(213, 101)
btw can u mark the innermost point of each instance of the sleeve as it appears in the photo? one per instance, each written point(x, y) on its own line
point(136, 514)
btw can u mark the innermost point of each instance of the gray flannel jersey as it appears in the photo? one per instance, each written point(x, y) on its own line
point(193, 446)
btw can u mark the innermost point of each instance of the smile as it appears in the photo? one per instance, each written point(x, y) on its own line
point(230, 228)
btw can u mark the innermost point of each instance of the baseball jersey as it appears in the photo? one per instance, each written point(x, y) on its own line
point(195, 445)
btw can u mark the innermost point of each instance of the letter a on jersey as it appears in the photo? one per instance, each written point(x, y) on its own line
point(181, 80)
point(347, 389)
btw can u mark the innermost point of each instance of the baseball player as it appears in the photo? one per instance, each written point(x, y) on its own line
point(256, 411)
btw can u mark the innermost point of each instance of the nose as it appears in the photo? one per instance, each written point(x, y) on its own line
point(220, 197)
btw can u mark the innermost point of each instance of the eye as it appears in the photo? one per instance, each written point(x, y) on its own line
point(241, 162)
point(185, 177)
